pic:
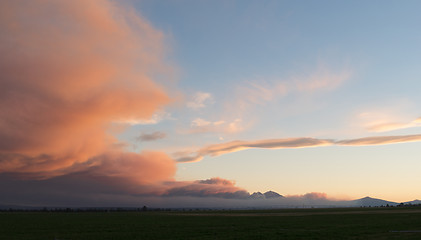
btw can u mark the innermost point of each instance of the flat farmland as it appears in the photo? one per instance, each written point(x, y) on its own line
point(331, 223)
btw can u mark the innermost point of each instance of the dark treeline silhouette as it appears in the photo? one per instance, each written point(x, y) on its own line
point(100, 209)
point(147, 209)
point(392, 206)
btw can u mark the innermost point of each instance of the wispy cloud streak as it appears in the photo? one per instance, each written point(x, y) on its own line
point(381, 140)
point(223, 148)
point(151, 136)
point(390, 126)
point(234, 146)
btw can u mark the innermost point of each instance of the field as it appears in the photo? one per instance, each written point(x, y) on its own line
point(349, 223)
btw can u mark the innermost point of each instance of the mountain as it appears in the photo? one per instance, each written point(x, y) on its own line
point(272, 194)
point(371, 202)
point(257, 195)
point(266, 195)
point(414, 202)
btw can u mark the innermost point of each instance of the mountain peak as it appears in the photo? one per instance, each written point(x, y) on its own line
point(257, 195)
point(272, 194)
point(369, 201)
point(415, 202)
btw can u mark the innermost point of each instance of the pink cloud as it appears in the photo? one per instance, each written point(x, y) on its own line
point(234, 146)
point(390, 126)
point(69, 70)
point(380, 140)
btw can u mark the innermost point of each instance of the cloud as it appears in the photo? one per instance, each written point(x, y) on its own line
point(379, 140)
point(70, 69)
point(309, 196)
point(200, 125)
point(315, 195)
point(390, 126)
point(154, 119)
point(214, 187)
point(234, 146)
point(323, 79)
point(199, 122)
point(393, 115)
point(136, 169)
point(282, 95)
point(151, 136)
point(85, 189)
point(259, 92)
point(200, 100)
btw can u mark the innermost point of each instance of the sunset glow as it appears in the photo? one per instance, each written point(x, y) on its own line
point(170, 102)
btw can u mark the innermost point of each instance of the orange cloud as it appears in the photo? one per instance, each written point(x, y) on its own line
point(69, 70)
point(380, 140)
point(234, 146)
point(137, 169)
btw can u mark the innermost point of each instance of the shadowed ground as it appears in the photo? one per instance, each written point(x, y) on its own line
point(349, 223)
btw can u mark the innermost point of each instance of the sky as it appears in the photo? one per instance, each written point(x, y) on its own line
point(122, 102)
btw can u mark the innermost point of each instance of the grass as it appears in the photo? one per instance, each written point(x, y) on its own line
point(350, 223)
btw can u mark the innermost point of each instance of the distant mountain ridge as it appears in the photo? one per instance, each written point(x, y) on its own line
point(266, 195)
point(272, 194)
point(372, 202)
point(269, 199)
point(362, 202)
point(413, 202)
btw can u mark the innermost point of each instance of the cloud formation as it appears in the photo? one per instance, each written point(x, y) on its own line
point(321, 80)
point(200, 125)
point(234, 146)
point(390, 126)
point(151, 136)
point(199, 100)
point(69, 70)
point(260, 92)
point(380, 140)
point(214, 187)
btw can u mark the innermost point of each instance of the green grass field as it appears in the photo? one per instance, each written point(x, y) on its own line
point(350, 223)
